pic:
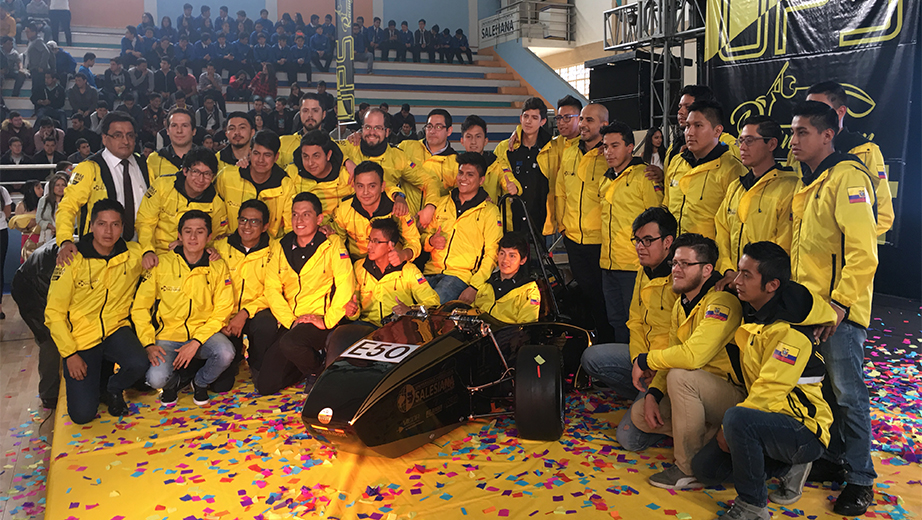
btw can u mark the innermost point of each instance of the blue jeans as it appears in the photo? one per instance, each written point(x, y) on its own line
point(762, 445)
point(617, 289)
point(847, 395)
point(122, 347)
point(611, 364)
point(446, 286)
point(217, 351)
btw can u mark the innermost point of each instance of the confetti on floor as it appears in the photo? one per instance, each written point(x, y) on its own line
point(246, 456)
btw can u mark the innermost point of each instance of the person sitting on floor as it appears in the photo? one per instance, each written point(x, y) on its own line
point(246, 253)
point(783, 424)
point(308, 284)
point(510, 294)
point(89, 322)
point(194, 297)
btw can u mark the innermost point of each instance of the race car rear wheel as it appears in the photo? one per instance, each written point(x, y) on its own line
point(539, 394)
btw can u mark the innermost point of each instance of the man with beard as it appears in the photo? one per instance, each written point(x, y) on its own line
point(399, 170)
point(180, 130)
point(239, 131)
point(696, 367)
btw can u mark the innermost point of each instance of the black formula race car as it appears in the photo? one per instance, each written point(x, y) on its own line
point(425, 373)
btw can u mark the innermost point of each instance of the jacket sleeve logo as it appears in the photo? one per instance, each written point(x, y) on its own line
point(718, 312)
point(786, 353)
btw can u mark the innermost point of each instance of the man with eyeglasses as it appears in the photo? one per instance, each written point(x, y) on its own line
point(624, 193)
point(170, 196)
point(180, 129)
point(695, 193)
point(757, 206)
point(520, 156)
point(696, 378)
point(399, 170)
point(262, 178)
point(116, 172)
point(246, 253)
point(652, 303)
point(239, 130)
point(434, 154)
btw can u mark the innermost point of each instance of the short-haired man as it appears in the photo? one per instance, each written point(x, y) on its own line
point(319, 167)
point(834, 254)
point(474, 139)
point(582, 168)
point(83, 152)
point(399, 170)
point(697, 368)
point(89, 322)
point(783, 425)
point(310, 114)
point(434, 154)
point(154, 117)
point(82, 97)
point(362, 49)
point(190, 296)
point(696, 190)
point(372, 200)
point(239, 130)
point(49, 99)
point(77, 131)
point(375, 37)
point(170, 197)
point(649, 323)
point(114, 173)
point(520, 156)
point(510, 294)
point(422, 42)
point(472, 224)
point(299, 60)
point(308, 284)
point(757, 206)
point(180, 129)
point(49, 153)
point(246, 253)
point(624, 193)
point(261, 179)
point(854, 143)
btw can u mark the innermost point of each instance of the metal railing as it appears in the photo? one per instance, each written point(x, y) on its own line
point(539, 20)
point(630, 26)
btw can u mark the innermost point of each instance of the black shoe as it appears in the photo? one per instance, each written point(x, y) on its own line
point(116, 403)
point(50, 403)
point(199, 394)
point(854, 500)
point(826, 471)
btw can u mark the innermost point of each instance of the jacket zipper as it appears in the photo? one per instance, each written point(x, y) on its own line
point(832, 279)
point(186, 321)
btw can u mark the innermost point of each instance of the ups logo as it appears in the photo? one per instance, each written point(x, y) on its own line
point(167, 288)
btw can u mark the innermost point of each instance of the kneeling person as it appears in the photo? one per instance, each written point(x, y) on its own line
point(783, 425)
point(89, 322)
point(194, 297)
point(510, 294)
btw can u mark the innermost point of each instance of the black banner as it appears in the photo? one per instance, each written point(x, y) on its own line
point(345, 73)
point(762, 56)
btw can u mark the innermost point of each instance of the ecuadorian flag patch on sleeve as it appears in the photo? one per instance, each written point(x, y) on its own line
point(534, 301)
point(343, 255)
point(786, 353)
point(421, 280)
point(718, 312)
point(227, 281)
point(858, 195)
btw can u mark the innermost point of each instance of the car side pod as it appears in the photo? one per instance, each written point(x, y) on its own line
point(539, 393)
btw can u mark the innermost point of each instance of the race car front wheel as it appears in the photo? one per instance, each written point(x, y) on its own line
point(539, 395)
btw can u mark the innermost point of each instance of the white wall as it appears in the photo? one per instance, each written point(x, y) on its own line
point(589, 19)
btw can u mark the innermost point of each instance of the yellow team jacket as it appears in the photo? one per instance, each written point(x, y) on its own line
point(400, 172)
point(91, 298)
point(226, 158)
point(310, 291)
point(90, 182)
point(236, 186)
point(853, 143)
point(762, 212)
point(693, 196)
point(442, 167)
point(672, 153)
point(164, 162)
point(700, 339)
point(330, 191)
point(650, 315)
point(581, 172)
point(192, 302)
point(549, 161)
point(522, 304)
point(247, 271)
point(834, 247)
point(782, 368)
point(472, 239)
point(353, 225)
point(624, 195)
point(378, 292)
point(165, 203)
point(494, 182)
point(289, 148)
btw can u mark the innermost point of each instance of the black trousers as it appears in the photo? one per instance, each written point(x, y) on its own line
point(322, 63)
point(584, 263)
point(32, 309)
point(293, 68)
point(456, 53)
point(296, 354)
point(261, 331)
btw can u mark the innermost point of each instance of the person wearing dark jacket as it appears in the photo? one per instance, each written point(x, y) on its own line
point(422, 42)
point(459, 45)
point(49, 101)
point(30, 291)
point(49, 153)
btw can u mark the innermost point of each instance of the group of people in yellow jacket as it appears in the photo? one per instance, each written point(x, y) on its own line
point(749, 309)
